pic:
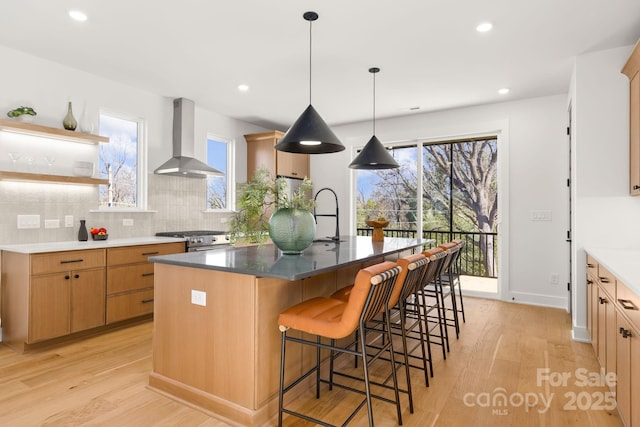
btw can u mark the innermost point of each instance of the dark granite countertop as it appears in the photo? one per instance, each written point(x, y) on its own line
point(268, 261)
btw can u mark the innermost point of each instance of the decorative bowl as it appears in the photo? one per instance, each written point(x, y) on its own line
point(99, 236)
point(377, 223)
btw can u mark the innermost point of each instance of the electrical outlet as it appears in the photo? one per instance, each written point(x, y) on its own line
point(198, 298)
point(555, 279)
point(68, 220)
point(28, 221)
point(127, 222)
point(51, 223)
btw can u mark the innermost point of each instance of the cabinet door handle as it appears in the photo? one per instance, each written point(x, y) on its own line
point(147, 274)
point(148, 300)
point(591, 265)
point(602, 300)
point(150, 253)
point(604, 280)
point(625, 333)
point(589, 282)
point(636, 187)
point(627, 304)
point(76, 276)
point(67, 277)
point(71, 260)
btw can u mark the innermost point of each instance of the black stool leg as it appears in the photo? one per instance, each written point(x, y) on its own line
point(281, 393)
point(365, 366)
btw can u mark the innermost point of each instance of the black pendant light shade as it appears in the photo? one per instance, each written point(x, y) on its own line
point(310, 133)
point(374, 155)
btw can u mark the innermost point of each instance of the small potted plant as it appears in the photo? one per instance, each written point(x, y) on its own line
point(25, 114)
point(292, 226)
point(254, 207)
point(266, 209)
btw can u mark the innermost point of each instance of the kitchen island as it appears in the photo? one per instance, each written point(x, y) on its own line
point(216, 342)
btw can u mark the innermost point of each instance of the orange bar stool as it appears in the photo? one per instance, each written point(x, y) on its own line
point(334, 319)
point(429, 299)
point(446, 287)
point(413, 270)
point(452, 278)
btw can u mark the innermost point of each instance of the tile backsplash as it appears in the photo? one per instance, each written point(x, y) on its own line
point(174, 203)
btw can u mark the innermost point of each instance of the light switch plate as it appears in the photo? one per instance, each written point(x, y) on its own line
point(68, 220)
point(28, 221)
point(51, 223)
point(198, 297)
point(541, 216)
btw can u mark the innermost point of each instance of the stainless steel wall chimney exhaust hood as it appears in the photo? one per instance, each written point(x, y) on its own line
point(182, 163)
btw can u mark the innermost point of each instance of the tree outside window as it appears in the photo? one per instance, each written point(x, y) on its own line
point(218, 157)
point(118, 162)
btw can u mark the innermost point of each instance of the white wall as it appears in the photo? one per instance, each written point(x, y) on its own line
point(534, 144)
point(47, 87)
point(604, 214)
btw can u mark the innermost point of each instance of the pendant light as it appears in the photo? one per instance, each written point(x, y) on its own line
point(310, 134)
point(374, 155)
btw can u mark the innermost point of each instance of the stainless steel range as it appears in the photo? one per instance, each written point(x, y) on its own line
point(200, 240)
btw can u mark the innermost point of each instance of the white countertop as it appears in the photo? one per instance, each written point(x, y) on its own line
point(622, 263)
point(35, 248)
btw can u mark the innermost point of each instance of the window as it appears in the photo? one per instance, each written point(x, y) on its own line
point(390, 193)
point(120, 162)
point(219, 188)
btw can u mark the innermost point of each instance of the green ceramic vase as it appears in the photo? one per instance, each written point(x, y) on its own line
point(292, 230)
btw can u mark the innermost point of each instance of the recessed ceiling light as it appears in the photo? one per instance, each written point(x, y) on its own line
point(78, 15)
point(503, 91)
point(484, 27)
point(243, 88)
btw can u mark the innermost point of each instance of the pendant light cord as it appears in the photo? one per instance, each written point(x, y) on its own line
point(374, 103)
point(310, 45)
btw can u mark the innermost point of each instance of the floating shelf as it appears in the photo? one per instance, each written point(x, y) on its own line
point(60, 179)
point(49, 132)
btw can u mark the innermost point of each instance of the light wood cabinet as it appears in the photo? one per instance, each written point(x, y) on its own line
point(632, 71)
point(628, 373)
point(592, 303)
point(614, 332)
point(260, 153)
point(130, 279)
point(49, 296)
point(55, 134)
point(64, 303)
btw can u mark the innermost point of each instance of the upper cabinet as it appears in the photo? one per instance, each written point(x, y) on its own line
point(56, 134)
point(260, 152)
point(631, 69)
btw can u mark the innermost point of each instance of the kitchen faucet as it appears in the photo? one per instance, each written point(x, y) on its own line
point(335, 238)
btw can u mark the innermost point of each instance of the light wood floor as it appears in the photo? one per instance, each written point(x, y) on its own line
point(102, 381)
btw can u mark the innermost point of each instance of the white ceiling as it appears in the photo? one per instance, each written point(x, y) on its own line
point(430, 55)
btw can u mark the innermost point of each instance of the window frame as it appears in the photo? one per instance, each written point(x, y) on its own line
point(141, 169)
point(231, 176)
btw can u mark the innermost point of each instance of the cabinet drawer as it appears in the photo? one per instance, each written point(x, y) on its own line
point(592, 265)
point(129, 277)
point(607, 281)
point(126, 306)
point(629, 303)
point(134, 254)
point(56, 262)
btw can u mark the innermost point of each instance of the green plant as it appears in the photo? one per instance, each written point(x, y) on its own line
point(20, 111)
point(259, 197)
point(299, 199)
